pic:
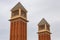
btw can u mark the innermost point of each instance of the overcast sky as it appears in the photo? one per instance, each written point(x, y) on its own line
point(37, 9)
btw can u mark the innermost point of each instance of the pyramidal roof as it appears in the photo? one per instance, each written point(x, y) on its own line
point(42, 22)
point(17, 6)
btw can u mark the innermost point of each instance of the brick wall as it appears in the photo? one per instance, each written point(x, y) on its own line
point(18, 30)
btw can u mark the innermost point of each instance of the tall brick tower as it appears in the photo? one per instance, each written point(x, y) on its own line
point(43, 30)
point(18, 23)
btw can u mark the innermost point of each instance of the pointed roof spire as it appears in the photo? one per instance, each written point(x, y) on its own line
point(17, 6)
point(42, 22)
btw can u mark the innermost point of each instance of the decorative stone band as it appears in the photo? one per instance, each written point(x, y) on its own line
point(19, 17)
point(44, 31)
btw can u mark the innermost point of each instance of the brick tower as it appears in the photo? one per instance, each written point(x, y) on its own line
point(43, 30)
point(18, 23)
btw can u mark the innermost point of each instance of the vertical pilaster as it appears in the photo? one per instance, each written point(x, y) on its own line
point(19, 12)
point(45, 26)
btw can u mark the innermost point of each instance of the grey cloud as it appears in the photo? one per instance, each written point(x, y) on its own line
point(55, 30)
point(32, 31)
point(4, 34)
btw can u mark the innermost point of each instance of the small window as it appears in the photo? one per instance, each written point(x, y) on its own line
point(15, 13)
point(48, 27)
point(41, 27)
point(23, 14)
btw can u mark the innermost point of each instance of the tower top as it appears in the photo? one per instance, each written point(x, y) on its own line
point(43, 26)
point(19, 12)
point(17, 6)
point(44, 30)
point(42, 22)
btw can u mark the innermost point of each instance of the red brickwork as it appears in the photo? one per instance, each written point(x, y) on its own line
point(18, 29)
point(43, 36)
